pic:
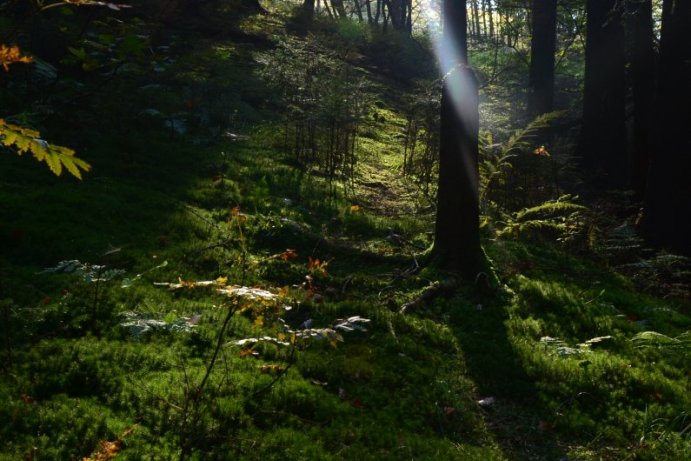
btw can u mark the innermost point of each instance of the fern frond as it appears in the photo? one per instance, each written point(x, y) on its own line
point(553, 208)
point(520, 139)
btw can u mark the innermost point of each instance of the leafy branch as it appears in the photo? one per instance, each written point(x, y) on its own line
point(22, 140)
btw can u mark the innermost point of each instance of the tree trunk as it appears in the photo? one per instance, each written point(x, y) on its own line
point(368, 7)
point(490, 12)
point(358, 10)
point(666, 220)
point(542, 47)
point(457, 236)
point(643, 70)
point(307, 13)
point(483, 8)
point(602, 146)
point(339, 9)
point(476, 19)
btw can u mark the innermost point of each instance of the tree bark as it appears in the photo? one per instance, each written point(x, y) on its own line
point(476, 19)
point(490, 12)
point(457, 236)
point(602, 145)
point(542, 47)
point(666, 219)
point(643, 80)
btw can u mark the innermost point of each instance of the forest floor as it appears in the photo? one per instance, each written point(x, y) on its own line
point(200, 297)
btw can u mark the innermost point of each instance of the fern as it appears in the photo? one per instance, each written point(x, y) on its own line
point(653, 339)
point(560, 206)
point(560, 217)
point(495, 158)
point(521, 139)
point(22, 140)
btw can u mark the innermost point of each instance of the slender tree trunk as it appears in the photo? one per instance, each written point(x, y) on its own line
point(542, 48)
point(483, 7)
point(490, 12)
point(471, 22)
point(666, 217)
point(358, 10)
point(476, 19)
point(338, 7)
point(643, 70)
point(457, 237)
point(368, 7)
point(380, 7)
point(602, 146)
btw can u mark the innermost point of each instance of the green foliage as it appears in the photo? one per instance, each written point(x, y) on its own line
point(561, 220)
point(680, 344)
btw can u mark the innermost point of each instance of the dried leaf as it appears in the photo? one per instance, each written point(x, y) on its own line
point(12, 55)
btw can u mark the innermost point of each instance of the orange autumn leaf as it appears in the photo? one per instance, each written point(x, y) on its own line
point(316, 265)
point(11, 55)
point(288, 254)
point(541, 152)
point(108, 450)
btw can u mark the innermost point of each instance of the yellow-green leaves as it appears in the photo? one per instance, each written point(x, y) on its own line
point(57, 158)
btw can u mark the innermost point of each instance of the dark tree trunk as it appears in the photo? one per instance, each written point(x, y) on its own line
point(368, 7)
point(666, 218)
point(338, 7)
point(542, 47)
point(643, 76)
point(358, 10)
point(602, 146)
point(457, 237)
point(483, 8)
point(476, 19)
point(398, 12)
point(307, 12)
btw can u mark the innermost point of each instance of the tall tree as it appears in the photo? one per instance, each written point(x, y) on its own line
point(457, 236)
point(542, 47)
point(643, 82)
point(602, 144)
point(666, 217)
